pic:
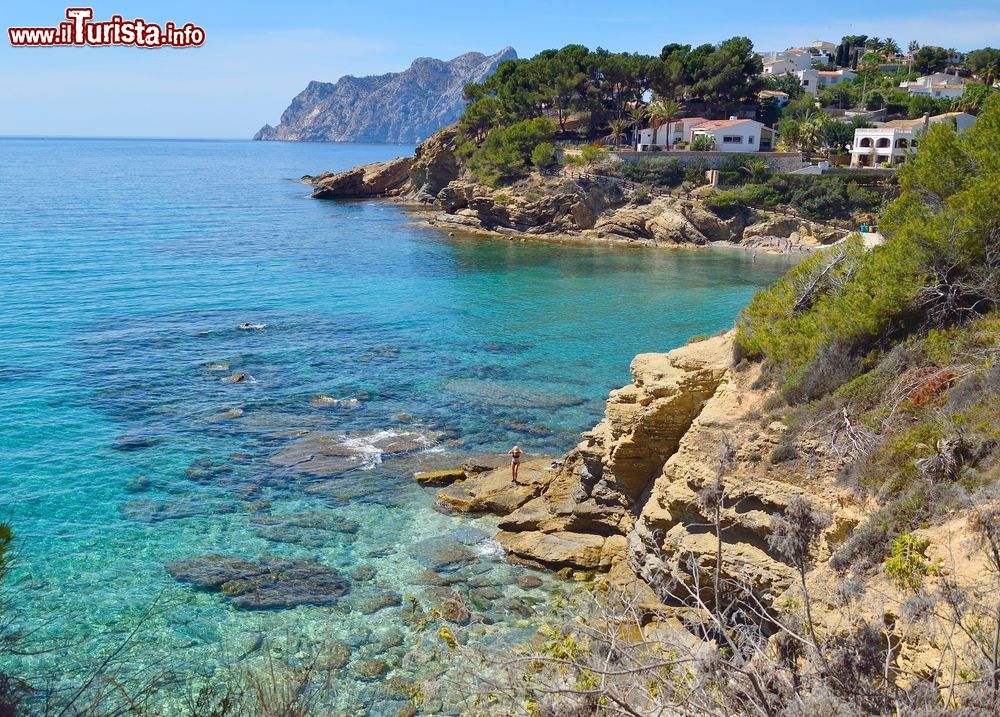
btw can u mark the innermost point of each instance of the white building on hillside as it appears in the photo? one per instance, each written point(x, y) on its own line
point(679, 130)
point(778, 97)
point(940, 85)
point(815, 80)
point(889, 143)
point(736, 135)
point(791, 60)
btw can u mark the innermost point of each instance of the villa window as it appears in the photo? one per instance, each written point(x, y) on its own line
point(732, 139)
point(866, 142)
point(883, 142)
point(749, 140)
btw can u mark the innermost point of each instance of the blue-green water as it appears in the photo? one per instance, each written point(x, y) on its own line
point(126, 269)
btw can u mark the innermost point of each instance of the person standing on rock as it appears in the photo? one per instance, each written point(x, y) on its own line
point(515, 454)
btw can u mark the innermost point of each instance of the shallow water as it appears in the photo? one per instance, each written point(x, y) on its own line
point(127, 268)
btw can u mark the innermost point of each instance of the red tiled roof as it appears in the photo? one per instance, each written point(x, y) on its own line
point(720, 124)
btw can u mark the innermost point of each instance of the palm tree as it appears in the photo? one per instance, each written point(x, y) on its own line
point(619, 130)
point(890, 47)
point(662, 112)
point(990, 74)
point(911, 50)
point(637, 116)
point(756, 170)
point(874, 44)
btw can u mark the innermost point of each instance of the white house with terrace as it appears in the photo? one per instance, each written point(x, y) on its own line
point(678, 131)
point(890, 143)
point(939, 85)
point(736, 135)
point(815, 80)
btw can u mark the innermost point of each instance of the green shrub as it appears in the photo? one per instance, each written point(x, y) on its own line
point(593, 153)
point(831, 307)
point(784, 451)
point(906, 565)
point(662, 171)
point(506, 152)
point(641, 196)
point(729, 199)
point(703, 143)
point(543, 155)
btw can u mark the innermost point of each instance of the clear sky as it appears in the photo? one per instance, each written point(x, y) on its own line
point(258, 55)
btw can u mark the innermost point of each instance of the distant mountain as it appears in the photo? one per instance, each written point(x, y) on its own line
point(405, 107)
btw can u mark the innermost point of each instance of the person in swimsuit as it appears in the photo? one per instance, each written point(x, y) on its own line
point(515, 454)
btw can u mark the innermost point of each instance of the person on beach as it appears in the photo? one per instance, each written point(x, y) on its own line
point(515, 454)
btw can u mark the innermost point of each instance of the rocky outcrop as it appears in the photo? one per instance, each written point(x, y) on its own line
point(629, 497)
point(673, 542)
point(404, 107)
point(603, 483)
point(380, 179)
point(578, 514)
point(540, 207)
point(434, 166)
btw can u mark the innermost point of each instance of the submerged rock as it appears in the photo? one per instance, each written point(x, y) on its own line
point(371, 669)
point(442, 553)
point(323, 453)
point(156, 511)
point(270, 583)
point(314, 528)
point(335, 656)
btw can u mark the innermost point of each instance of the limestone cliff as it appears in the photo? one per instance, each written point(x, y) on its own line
point(626, 498)
point(403, 107)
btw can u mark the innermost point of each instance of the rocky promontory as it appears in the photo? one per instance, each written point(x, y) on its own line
point(628, 499)
point(574, 206)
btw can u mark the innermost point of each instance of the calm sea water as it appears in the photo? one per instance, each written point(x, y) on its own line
point(127, 267)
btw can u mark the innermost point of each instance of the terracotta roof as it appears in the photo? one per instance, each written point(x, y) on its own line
point(721, 124)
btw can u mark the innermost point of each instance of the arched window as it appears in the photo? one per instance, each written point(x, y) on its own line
point(866, 141)
point(882, 142)
point(901, 142)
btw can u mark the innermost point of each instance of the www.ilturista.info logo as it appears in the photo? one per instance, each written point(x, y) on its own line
point(80, 30)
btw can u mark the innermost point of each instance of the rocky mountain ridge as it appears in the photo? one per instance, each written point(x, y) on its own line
point(397, 107)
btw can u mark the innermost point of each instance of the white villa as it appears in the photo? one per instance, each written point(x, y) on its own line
point(815, 80)
point(777, 96)
point(889, 143)
point(679, 131)
point(731, 135)
point(940, 85)
point(736, 135)
point(796, 59)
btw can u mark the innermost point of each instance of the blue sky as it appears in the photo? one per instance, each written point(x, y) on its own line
point(258, 55)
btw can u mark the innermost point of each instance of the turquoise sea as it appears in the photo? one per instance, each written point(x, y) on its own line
point(127, 443)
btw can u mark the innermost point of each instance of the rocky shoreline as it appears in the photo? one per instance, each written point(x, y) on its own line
point(434, 184)
point(626, 500)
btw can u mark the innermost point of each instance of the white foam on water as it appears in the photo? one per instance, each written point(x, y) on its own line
point(491, 548)
point(368, 451)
